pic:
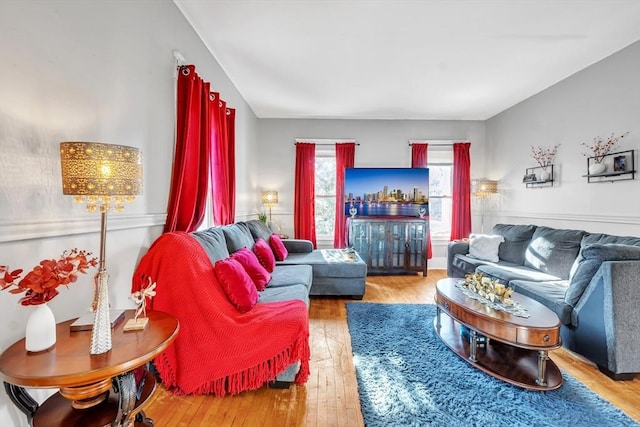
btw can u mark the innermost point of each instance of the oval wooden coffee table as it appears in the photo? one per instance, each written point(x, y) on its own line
point(517, 349)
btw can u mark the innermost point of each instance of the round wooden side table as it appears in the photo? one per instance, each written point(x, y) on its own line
point(95, 390)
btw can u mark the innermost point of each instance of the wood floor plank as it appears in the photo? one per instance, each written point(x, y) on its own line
point(330, 397)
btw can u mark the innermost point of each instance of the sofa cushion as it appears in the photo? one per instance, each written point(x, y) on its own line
point(265, 254)
point(237, 236)
point(485, 247)
point(237, 284)
point(507, 273)
point(323, 268)
point(213, 242)
point(590, 239)
point(550, 294)
point(592, 258)
point(252, 266)
point(279, 250)
point(259, 229)
point(287, 275)
point(516, 240)
point(553, 251)
point(284, 293)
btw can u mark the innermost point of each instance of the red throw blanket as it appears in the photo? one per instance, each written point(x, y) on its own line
point(218, 349)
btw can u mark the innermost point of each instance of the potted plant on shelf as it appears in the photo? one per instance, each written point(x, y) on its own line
point(39, 286)
point(598, 151)
point(544, 157)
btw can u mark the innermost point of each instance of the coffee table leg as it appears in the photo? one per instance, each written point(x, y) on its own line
point(543, 356)
point(438, 317)
point(473, 346)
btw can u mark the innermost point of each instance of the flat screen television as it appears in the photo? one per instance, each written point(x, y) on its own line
point(386, 192)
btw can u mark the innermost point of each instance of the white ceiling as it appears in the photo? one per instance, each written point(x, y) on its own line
point(385, 59)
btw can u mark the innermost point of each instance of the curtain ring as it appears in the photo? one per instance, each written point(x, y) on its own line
point(220, 104)
point(185, 70)
point(212, 96)
point(228, 112)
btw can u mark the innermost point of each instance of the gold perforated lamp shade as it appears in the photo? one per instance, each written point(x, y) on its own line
point(484, 188)
point(269, 198)
point(104, 175)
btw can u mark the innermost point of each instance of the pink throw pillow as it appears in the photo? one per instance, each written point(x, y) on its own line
point(257, 272)
point(265, 255)
point(237, 284)
point(279, 250)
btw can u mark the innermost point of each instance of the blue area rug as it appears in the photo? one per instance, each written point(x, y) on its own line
point(408, 377)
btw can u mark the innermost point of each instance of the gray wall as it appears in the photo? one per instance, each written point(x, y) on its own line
point(93, 71)
point(597, 101)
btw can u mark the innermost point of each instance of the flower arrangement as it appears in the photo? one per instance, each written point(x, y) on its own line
point(40, 284)
point(487, 288)
point(544, 155)
point(601, 148)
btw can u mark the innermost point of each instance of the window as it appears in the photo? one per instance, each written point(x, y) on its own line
point(325, 189)
point(440, 200)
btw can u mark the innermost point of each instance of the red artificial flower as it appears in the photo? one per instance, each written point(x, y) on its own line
point(40, 284)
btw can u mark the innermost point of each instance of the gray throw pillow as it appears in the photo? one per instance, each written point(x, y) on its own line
point(592, 257)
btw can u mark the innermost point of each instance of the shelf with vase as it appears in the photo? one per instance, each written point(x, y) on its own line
point(539, 176)
point(618, 166)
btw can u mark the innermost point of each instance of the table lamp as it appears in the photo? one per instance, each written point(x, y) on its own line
point(270, 199)
point(104, 176)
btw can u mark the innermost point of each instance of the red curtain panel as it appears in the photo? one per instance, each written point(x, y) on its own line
point(419, 159)
point(461, 208)
point(189, 179)
point(222, 161)
point(304, 222)
point(345, 158)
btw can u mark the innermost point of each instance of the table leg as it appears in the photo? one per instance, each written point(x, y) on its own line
point(22, 399)
point(543, 356)
point(473, 346)
point(125, 386)
point(438, 324)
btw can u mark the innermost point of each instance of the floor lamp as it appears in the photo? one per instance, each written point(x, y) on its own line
point(104, 176)
point(484, 189)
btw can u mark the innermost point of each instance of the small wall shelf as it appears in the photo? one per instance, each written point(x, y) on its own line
point(532, 177)
point(623, 168)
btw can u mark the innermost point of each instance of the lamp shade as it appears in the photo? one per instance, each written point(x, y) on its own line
point(269, 198)
point(484, 188)
point(98, 173)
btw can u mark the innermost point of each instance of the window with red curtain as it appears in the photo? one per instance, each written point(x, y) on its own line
point(461, 207)
point(189, 178)
point(304, 222)
point(419, 158)
point(345, 158)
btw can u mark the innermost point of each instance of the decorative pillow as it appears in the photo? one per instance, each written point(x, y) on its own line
point(237, 284)
point(265, 255)
point(279, 250)
point(252, 266)
point(485, 247)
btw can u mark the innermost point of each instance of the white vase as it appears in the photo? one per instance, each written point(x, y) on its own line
point(41, 329)
point(597, 168)
point(544, 175)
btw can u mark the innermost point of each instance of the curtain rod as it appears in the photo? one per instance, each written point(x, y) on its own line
point(437, 143)
point(332, 141)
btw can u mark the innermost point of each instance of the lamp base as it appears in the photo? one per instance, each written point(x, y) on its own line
point(136, 324)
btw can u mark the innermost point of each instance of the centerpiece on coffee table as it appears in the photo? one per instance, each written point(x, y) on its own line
point(487, 288)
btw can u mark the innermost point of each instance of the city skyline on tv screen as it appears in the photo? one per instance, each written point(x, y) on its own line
point(387, 191)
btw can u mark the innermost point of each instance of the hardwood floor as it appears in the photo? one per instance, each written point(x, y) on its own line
point(330, 397)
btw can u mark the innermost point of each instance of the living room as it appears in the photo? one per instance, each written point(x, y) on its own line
point(105, 71)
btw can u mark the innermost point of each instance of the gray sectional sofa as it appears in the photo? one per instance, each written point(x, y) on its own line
point(304, 272)
point(590, 280)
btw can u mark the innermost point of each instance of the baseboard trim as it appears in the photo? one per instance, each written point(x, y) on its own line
point(17, 231)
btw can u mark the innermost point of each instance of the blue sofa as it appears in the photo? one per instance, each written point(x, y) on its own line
point(590, 280)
